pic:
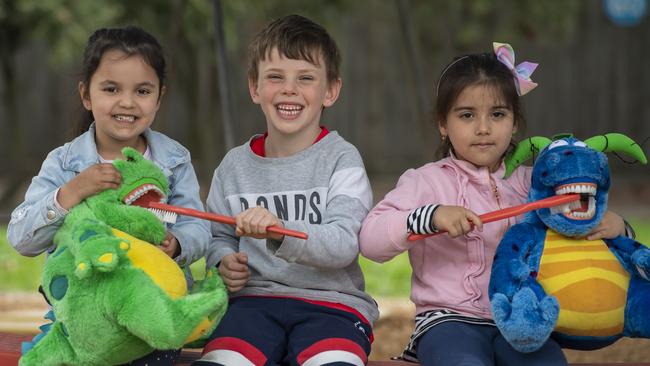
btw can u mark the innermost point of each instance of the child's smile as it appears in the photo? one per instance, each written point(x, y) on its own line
point(124, 118)
point(289, 111)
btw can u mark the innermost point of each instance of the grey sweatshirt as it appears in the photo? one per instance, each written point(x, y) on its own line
point(323, 191)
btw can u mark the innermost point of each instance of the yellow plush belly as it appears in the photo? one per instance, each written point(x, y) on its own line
point(162, 270)
point(589, 283)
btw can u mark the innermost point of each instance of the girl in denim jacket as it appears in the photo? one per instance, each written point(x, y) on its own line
point(478, 112)
point(121, 90)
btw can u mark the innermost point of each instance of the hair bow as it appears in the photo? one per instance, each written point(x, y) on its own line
point(506, 55)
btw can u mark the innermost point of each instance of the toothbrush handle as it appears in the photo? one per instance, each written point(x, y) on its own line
point(223, 219)
point(512, 211)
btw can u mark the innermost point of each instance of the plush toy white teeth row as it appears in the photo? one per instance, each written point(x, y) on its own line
point(133, 196)
point(588, 188)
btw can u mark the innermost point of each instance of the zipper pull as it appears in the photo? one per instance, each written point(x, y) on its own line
point(496, 192)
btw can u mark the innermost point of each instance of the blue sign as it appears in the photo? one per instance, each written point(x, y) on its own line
point(625, 12)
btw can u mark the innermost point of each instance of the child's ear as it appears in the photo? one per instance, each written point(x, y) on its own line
point(162, 93)
point(85, 98)
point(333, 91)
point(252, 89)
point(442, 129)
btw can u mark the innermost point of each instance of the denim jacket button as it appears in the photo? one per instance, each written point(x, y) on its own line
point(51, 215)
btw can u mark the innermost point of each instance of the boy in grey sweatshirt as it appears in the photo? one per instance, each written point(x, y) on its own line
point(293, 301)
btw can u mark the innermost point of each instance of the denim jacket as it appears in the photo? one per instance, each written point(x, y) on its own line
point(34, 222)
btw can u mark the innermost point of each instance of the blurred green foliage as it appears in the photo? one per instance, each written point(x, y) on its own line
point(66, 24)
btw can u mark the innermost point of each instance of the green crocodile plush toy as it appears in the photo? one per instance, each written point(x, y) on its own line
point(115, 297)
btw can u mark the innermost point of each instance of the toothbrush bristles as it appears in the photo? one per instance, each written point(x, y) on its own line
point(164, 216)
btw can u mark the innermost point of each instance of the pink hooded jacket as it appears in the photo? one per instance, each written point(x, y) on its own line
point(447, 273)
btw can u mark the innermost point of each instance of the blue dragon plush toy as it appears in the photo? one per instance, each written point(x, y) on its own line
point(547, 279)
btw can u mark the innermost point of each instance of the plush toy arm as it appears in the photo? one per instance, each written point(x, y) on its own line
point(136, 221)
point(511, 267)
point(634, 256)
point(641, 261)
point(166, 323)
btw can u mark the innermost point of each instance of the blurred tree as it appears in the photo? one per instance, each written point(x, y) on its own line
point(392, 54)
point(457, 27)
point(63, 25)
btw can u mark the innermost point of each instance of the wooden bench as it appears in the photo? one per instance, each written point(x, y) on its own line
point(190, 355)
point(10, 353)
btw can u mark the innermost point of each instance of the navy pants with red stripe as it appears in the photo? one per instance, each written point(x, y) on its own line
point(269, 331)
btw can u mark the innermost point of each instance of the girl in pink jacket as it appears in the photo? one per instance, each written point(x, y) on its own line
point(478, 112)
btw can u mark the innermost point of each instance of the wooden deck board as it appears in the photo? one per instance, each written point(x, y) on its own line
point(10, 353)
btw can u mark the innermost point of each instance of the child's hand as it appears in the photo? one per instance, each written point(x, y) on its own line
point(234, 271)
point(170, 245)
point(611, 226)
point(97, 178)
point(254, 221)
point(456, 220)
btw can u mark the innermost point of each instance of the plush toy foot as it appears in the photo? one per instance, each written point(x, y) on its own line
point(101, 253)
point(526, 323)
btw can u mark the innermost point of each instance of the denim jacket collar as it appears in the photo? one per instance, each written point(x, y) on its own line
point(82, 151)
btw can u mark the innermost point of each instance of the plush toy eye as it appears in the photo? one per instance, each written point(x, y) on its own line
point(579, 143)
point(129, 158)
point(557, 143)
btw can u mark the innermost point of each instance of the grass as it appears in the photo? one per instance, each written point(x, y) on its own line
point(18, 272)
point(390, 279)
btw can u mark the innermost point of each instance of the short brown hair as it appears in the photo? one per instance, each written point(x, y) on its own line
point(297, 38)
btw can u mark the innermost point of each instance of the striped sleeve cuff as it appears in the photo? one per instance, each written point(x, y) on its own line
point(629, 230)
point(420, 221)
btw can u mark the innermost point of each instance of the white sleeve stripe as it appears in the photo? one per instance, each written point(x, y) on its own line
point(352, 182)
point(420, 221)
point(427, 219)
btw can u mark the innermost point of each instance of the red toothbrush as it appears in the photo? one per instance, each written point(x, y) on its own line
point(219, 218)
point(514, 211)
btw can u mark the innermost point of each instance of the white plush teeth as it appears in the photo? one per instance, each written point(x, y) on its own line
point(164, 216)
point(133, 196)
point(588, 188)
point(565, 208)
